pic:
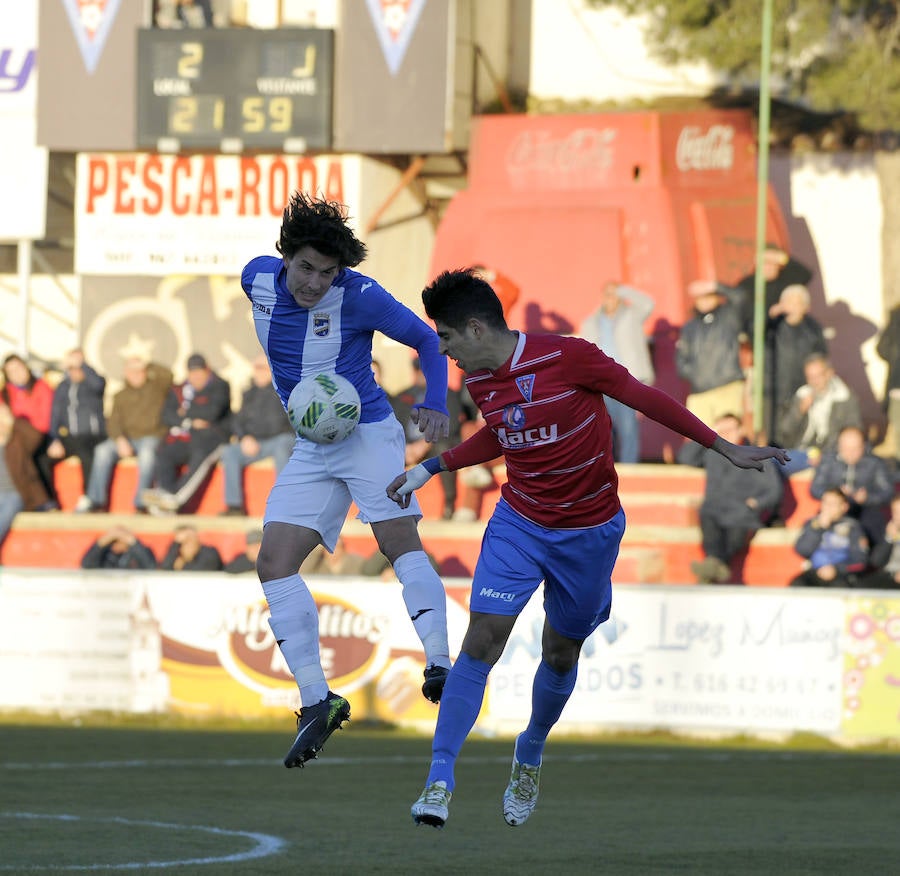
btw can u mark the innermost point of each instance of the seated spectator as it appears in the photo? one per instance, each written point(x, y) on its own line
point(118, 548)
point(792, 336)
point(77, 422)
point(246, 561)
point(19, 447)
point(884, 558)
point(261, 430)
point(183, 13)
point(819, 410)
point(198, 414)
point(188, 554)
point(862, 477)
point(834, 544)
point(30, 398)
point(736, 503)
point(417, 448)
point(339, 562)
point(11, 502)
point(135, 428)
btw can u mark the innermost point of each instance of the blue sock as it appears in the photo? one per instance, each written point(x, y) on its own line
point(460, 705)
point(549, 695)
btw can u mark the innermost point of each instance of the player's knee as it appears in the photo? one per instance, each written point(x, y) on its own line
point(271, 564)
point(561, 655)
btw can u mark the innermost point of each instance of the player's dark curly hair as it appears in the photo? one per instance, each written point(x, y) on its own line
point(455, 297)
point(322, 225)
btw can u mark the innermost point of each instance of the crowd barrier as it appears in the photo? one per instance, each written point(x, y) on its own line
point(704, 659)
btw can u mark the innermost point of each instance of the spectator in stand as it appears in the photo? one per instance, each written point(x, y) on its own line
point(707, 353)
point(792, 336)
point(261, 430)
point(198, 414)
point(77, 422)
point(888, 347)
point(11, 502)
point(862, 477)
point(417, 448)
point(834, 544)
point(736, 503)
point(779, 271)
point(246, 561)
point(18, 457)
point(884, 558)
point(818, 412)
point(118, 548)
point(30, 398)
point(340, 561)
point(617, 328)
point(477, 479)
point(188, 554)
point(183, 13)
point(134, 427)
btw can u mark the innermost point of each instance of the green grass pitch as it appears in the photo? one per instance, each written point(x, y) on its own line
point(186, 799)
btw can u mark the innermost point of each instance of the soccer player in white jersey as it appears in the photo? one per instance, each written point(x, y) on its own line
point(558, 519)
point(314, 314)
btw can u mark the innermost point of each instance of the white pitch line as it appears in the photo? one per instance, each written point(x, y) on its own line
point(327, 760)
point(265, 844)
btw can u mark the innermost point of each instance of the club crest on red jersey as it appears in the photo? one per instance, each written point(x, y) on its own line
point(526, 386)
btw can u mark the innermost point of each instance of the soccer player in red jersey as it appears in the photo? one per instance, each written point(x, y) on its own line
point(558, 520)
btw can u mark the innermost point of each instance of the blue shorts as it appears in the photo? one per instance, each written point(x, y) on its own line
point(575, 565)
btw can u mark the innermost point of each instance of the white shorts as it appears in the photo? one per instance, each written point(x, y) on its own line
point(319, 482)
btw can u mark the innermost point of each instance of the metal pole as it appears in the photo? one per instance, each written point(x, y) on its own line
point(762, 201)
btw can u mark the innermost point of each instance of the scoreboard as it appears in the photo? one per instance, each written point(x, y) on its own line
point(235, 89)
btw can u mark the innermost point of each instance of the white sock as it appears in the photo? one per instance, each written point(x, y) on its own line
point(294, 620)
point(426, 603)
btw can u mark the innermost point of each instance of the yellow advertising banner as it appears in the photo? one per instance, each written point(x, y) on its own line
point(872, 667)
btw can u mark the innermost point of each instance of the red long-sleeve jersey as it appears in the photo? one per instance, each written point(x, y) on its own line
point(544, 411)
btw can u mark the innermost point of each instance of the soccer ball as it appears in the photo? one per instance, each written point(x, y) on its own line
point(324, 408)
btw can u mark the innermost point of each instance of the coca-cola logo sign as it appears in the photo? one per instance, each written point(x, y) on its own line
point(712, 149)
point(353, 646)
point(579, 159)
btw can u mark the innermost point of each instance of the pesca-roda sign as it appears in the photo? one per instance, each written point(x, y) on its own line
point(158, 215)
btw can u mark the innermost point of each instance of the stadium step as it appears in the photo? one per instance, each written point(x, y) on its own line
point(660, 501)
point(650, 554)
point(651, 494)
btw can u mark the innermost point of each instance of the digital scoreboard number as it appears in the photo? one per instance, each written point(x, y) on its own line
point(230, 90)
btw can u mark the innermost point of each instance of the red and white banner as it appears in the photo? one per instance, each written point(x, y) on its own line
point(149, 214)
point(23, 164)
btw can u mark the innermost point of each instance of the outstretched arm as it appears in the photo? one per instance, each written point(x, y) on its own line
point(748, 455)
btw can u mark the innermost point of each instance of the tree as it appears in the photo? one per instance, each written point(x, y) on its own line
point(834, 57)
point(827, 55)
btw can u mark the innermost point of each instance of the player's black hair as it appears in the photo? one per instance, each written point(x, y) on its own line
point(455, 297)
point(322, 225)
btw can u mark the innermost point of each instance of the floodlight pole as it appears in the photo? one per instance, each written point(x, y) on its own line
point(762, 202)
